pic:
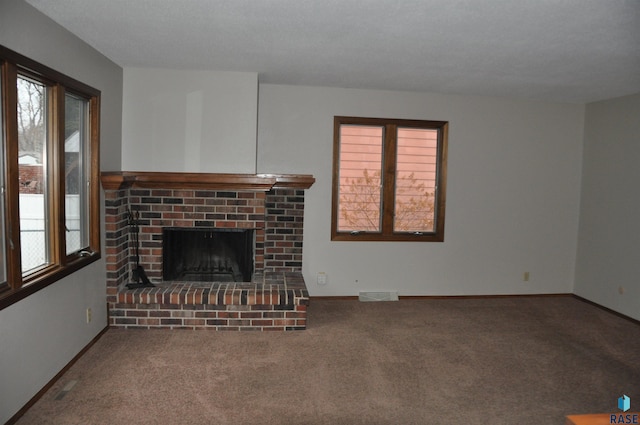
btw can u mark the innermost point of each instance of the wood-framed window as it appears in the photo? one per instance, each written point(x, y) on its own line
point(49, 176)
point(389, 179)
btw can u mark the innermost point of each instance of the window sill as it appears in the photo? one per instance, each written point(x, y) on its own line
point(394, 237)
point(47, 277)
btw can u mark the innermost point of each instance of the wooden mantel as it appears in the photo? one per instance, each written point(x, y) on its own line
point(116, 180)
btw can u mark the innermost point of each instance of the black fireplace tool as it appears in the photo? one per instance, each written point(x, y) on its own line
point(138, 275)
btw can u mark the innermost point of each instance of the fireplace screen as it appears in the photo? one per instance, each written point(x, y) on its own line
point(207, 255)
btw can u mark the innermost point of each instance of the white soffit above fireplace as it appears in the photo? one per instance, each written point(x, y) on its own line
point(189, 121)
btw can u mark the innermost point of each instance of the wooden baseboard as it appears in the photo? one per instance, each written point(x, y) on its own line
point(624, 316)
point(53, 380)
point(444, 297)
point(481, 297)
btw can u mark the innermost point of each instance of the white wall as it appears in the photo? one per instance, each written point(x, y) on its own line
point(42, 333)
point(609, 243)
point(512, 198)
point(189, 121)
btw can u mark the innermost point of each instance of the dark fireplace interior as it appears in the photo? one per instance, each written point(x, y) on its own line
point(207, 254)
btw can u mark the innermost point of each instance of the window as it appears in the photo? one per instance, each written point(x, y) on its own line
point(76, 160)
point(3, 261)
point(389, 179)
point(49, 176)
point(33, 111)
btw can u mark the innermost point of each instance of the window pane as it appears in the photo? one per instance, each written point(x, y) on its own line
point(415, 180)
point(75, 151)
point(3, 254)
point(360, 193)
point(32, 136)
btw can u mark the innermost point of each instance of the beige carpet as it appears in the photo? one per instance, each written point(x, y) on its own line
point(529, 360)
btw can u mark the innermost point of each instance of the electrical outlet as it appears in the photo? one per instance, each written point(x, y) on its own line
point(525, 277)
point(620, 290)
point(88, 315)
point(321, 278)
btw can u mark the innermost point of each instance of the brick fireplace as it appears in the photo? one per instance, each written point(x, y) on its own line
point(272, 206)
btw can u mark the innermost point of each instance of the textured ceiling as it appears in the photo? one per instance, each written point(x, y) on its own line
point(558, 50)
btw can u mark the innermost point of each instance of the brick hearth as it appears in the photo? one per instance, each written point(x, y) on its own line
point(275, 299)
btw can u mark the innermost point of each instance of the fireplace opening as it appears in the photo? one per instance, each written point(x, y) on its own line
point(207, 254)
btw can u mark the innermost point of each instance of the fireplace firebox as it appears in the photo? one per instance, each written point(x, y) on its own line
point(207, 254)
